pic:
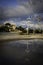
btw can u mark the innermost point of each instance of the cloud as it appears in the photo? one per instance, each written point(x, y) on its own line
point(26, 23)
point(10, 21)
point(16, 11)
point(24, 7)
point(21, 9)
point(37, 6)
point(31, 24)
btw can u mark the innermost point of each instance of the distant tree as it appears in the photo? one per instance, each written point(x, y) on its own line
point(4, 29)
point(8, 27)
point(30, 30)
point(8, 24)
point(21, 29)
point(38, 31)
point(41, 31)
point(1, 28)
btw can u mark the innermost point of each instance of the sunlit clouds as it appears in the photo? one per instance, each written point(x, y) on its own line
point(10, 21)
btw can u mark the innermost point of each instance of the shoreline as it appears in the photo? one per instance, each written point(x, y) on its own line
point(20, 37)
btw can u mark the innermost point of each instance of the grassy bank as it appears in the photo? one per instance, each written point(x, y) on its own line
point(12, 36)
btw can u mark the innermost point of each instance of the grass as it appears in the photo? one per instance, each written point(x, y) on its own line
point(12, 36)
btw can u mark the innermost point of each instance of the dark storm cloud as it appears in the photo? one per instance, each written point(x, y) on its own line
point(37, 6)
point(24, 7)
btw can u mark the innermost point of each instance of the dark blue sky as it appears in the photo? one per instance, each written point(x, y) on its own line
point(8, 2)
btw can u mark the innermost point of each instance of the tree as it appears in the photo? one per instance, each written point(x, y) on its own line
point(8, 24)
point(30, 30)
point(8, 27)
point(21, 29)
point(4, 29)
point(38, 31)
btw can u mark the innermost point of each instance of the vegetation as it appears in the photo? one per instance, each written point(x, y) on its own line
point(4, 29)
point(21, 29)
point(38, 31)
point(30, 30)
point(8, 24)
point(8, 28)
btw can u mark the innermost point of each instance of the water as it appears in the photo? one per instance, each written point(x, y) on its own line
point(15, 52)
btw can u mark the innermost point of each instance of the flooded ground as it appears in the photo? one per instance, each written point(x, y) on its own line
point(22, 52)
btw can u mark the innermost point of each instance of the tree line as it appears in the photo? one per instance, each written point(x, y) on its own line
point(8, 28)
point(30, 30)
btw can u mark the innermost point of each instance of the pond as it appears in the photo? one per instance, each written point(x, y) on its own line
point(21, 52)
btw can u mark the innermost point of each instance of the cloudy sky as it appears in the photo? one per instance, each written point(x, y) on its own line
point(20, 11)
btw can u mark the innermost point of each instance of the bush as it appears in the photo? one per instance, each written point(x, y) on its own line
point(4, 29)
point(38, 31)
point(21, 29)
point(30, 30)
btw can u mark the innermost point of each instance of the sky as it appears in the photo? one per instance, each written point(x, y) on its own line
point(20, 11)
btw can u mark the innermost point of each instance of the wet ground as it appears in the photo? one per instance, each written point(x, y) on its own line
point(22, 52)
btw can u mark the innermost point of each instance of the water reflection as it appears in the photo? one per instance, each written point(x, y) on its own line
point(16, 51)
